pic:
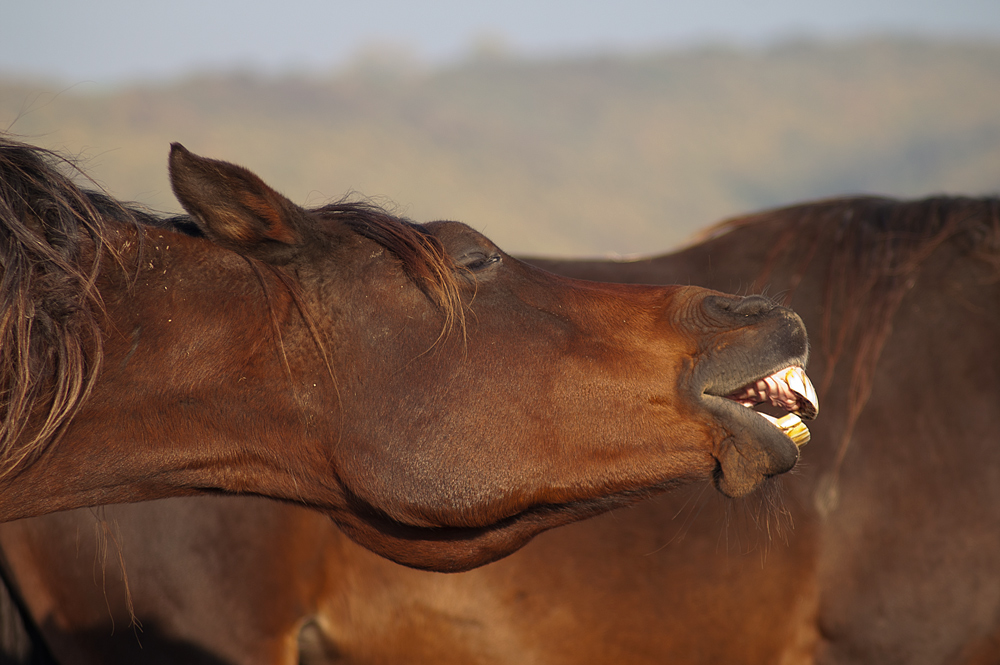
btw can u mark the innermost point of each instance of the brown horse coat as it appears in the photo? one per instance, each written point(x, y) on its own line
point(881, 547)
point(382, 372)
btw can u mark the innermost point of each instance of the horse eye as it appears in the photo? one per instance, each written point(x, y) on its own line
point(478, 261)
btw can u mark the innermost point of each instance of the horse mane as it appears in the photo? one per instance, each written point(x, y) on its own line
point(876, 248)
point(52, 236)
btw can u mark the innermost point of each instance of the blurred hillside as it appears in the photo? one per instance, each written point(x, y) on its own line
point(586, 156)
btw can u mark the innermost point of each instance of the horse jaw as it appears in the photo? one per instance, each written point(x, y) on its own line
point(458, 549)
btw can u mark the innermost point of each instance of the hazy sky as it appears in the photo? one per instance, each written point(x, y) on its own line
point(108, 41)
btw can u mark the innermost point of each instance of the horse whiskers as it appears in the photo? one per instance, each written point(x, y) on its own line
point(762, 513)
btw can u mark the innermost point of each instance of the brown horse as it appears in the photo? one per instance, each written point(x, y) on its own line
point(441, 401)
point(882, 547)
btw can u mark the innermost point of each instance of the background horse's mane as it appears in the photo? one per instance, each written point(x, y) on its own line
point(875, 248)
point(53, 235)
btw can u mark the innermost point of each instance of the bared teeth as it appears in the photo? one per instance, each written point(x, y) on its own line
point(789, 389)
point(792, 426)
point(807, 402)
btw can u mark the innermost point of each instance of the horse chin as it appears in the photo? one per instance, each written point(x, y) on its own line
point(758, 452)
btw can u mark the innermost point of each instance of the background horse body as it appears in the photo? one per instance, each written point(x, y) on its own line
point(881, 548)
point(380, 371)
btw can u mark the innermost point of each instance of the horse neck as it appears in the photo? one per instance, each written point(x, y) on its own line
point(191, 348)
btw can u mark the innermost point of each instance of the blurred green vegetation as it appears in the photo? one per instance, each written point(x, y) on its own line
point(587, 156)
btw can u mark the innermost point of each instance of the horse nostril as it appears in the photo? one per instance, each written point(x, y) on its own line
point(753, 306)
point(739, 306)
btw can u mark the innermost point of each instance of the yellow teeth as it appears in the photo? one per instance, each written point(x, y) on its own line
point(793, 427)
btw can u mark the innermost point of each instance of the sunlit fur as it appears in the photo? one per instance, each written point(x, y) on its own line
point(52, 236)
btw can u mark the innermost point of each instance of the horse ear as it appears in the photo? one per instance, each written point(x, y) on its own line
point(235, 208)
